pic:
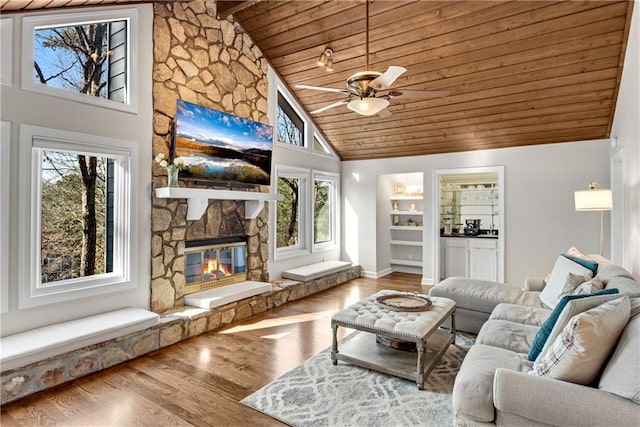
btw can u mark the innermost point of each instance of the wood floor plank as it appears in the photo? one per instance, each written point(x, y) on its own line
point(200, 381)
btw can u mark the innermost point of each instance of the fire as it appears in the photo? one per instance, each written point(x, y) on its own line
point(215, 269)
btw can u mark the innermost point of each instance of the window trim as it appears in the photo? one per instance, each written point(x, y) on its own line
point(280, 89)
point(33, 140)
point(6, 49)
point(303, 247)
point(29, 24)
point(5, 189)
point(334, 178)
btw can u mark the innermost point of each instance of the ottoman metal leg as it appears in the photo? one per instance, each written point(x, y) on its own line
point(334, 345)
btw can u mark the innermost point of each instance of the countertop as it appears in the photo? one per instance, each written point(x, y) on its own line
point(468, 236)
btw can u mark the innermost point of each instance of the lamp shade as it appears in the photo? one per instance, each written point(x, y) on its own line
point(367, 106)
point(593, 200)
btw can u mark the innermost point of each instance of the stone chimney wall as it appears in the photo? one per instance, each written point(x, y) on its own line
point(212, 62)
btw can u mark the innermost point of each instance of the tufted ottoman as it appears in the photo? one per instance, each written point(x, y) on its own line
point(371, 319)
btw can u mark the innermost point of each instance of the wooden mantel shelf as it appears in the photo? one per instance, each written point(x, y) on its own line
point(198, 199)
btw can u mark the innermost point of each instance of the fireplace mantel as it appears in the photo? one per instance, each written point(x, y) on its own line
point(198, 199)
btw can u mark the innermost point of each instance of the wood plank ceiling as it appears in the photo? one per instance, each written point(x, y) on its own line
point(518, 72)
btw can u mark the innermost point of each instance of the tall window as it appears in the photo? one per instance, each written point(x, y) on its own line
point(74, 212)
point(83, 56)
point(79, 204)
point(290, 125)
point(291, 211)
point(324, 210)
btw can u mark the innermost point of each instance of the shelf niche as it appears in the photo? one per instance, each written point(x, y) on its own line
point(198, 199)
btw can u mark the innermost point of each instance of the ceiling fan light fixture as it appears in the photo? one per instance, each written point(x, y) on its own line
point(367, 106)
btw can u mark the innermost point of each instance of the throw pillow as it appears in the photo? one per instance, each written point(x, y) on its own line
point(573, 251)
point(591, 265)
point(572, 282)
point(561, 269)
point(577, 355)
point(555, 324)
point(589, 287)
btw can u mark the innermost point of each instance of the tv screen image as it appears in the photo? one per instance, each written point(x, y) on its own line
point(217, 146)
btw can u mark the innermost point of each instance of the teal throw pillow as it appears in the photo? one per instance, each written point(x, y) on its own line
point(591, 265)
point(546, 328)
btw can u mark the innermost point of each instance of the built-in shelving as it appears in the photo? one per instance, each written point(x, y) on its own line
point(407, 213)
point(406, 242)
point(406, 227)
point(408, 262)
point(198, 199)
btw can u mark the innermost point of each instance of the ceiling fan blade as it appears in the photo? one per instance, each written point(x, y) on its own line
point(326, 107)
point(418, 93)
point(322, 88)
point(384, 113)
point(387, 78)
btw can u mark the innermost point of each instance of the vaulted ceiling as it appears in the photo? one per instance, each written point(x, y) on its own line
point(518, 72)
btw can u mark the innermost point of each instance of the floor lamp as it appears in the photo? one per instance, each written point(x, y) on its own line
point(595, 198)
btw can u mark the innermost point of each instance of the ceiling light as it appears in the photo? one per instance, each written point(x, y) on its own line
point(326, 58)
point(367, 106)
point(329, 64)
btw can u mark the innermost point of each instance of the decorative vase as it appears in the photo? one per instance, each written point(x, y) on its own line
point(172, 176)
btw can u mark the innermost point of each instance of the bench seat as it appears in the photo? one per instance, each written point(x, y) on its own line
point(43, 343)
point(313, 271)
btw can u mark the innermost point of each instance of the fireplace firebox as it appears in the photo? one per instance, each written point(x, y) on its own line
point(212, 263)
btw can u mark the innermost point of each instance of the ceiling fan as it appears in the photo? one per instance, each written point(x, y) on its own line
point(368, 92)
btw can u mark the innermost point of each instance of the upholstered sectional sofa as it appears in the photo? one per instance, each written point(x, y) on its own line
point(584, 350)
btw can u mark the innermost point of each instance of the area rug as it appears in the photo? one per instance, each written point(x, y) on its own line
point(317, 393)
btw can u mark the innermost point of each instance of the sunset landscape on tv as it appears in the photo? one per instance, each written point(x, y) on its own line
point(217, 146)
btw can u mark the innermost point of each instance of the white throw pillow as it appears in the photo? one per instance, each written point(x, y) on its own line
point(577, 355)
point(550, 295)
point(593, 285)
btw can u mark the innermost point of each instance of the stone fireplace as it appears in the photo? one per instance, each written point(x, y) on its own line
point(210, 61)
point(213, 263)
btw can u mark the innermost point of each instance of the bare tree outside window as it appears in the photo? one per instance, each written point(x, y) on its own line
point(288, 211)
point(290, 126)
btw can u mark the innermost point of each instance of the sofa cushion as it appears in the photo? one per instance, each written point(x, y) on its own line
point(621, 376)
point(513, 336)
point(560, 316)
point(607, 272)
point(577, 355)
point(520, 314)
point(626, 285)
point(483, 295)
point(550, 295)
point(571, 283)
point(473, 388)
point(589, 287)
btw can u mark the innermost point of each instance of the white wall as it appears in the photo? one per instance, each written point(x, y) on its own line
point(626, 128)
point(25, 107)
point(540, 219)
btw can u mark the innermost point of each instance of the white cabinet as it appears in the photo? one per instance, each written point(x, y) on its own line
point(476, 258)
point(483, 255)
point(406, 230)
point(456, 257)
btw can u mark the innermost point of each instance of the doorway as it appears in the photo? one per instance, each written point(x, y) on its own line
point(469, 218)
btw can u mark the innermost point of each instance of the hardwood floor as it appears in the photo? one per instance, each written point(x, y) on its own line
point(201, 381)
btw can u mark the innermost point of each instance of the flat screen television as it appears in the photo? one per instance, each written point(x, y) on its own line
point(220, 147)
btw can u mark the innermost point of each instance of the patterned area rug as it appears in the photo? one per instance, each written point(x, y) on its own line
point(318, 393)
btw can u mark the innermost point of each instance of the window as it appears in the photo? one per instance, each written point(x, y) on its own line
point(320, 146)
point(83, 56)
point(291, 127)
point(291, 222)
point(78, 242)
point(324, 210)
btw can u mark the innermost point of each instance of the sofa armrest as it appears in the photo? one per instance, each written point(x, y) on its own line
point(536, 284)
point(557, 402)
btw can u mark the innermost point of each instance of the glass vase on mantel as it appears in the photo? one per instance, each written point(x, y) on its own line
point(172, 176)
